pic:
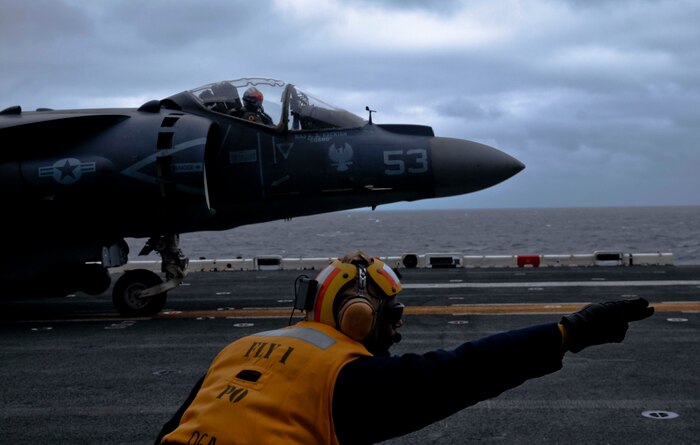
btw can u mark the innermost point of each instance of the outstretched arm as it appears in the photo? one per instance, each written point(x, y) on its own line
point(393, 396)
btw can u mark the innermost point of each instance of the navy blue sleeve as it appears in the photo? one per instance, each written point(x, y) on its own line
point(174, 421)
point(393, 396)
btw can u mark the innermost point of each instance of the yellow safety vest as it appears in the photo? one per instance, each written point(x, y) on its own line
point(274, 387)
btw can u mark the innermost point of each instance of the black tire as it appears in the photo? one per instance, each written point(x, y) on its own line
point(410, 261)
point(125, 289)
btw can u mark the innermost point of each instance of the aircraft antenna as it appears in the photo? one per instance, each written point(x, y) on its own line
point(370, 114)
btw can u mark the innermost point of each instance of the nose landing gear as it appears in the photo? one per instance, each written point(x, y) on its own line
point(126, 295)
point(142, 293)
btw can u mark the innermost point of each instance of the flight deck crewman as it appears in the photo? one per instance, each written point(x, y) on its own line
point(330, 379)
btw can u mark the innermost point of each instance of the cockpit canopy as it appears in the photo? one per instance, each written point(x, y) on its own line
point(285, 106)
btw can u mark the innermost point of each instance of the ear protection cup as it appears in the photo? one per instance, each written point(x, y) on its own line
point(356, 318)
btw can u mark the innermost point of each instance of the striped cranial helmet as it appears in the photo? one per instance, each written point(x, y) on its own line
point(351, 293)
point(253, 97)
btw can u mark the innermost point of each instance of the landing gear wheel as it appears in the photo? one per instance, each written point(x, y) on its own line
point(125, 295)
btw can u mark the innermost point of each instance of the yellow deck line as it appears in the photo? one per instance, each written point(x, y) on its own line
point(524, 308)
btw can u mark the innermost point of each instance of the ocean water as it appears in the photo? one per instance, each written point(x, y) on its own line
point(555, 231)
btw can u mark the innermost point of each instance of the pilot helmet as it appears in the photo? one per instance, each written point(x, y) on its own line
point(253, 97)
point(351, 294)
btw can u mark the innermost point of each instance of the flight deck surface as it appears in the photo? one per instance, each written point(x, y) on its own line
point(76, 372)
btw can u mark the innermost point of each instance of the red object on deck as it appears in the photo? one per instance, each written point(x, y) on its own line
point(528, 260)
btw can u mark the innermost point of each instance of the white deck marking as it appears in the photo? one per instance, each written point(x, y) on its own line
point(654, 283)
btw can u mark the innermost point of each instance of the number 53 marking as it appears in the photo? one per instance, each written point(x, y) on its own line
point(399, 162)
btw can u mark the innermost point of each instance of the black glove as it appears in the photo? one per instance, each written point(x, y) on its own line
point(600, 323)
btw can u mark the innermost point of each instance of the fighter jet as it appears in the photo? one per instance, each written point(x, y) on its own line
point(76, 183)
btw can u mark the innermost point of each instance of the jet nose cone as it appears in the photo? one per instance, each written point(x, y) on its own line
point(461, 166)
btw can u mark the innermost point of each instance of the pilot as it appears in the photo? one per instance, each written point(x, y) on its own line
point(253, 107)
point(331, 379)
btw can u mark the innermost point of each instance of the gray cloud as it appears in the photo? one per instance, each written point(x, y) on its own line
point(598, 98)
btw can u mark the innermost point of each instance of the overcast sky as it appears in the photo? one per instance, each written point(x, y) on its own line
point(599, 99)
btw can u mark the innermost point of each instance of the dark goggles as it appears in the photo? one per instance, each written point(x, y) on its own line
point(393, 313)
